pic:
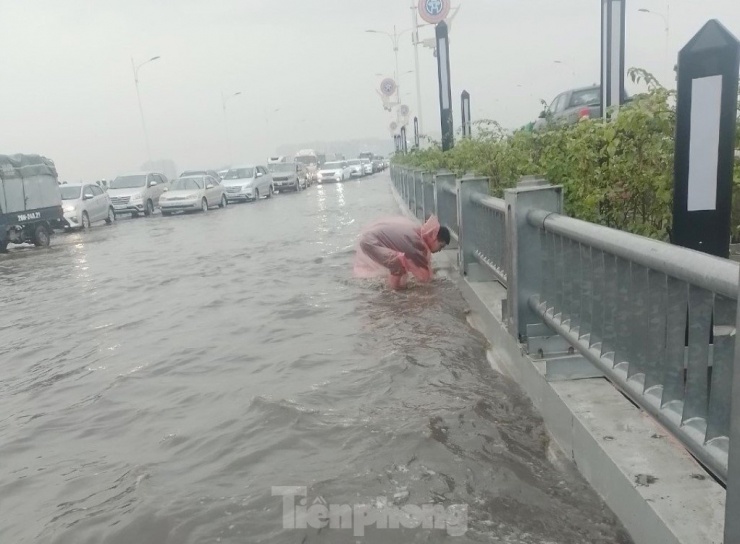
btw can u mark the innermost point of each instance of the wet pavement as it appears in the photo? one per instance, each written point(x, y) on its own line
point(161, 376)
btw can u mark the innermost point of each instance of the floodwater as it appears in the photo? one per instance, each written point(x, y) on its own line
point(159, 377)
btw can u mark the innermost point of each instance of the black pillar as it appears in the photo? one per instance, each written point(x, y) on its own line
point(706, 111)
point(416, 132)
point(467, 127)
point(445, 86)
point(612, 54)
point(404, 145)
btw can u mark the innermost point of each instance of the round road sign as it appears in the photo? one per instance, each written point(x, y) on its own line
point(394, 126)
point(434, 11)
point(388, 87)
point(404, 110)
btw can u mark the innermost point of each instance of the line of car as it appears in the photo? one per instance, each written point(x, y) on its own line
point(141, 193)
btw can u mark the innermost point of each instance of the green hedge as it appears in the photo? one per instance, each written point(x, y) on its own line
point(618, 174)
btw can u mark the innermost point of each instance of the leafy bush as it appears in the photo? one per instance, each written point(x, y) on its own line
point(618, 174)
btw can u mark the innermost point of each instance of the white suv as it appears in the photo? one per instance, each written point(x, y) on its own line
point(137, 193)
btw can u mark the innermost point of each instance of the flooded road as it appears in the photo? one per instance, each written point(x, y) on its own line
point(159, 377)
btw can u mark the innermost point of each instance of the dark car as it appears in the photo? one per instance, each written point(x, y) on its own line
point(571, 106)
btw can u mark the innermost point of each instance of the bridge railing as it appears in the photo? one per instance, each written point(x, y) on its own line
point(658, 320)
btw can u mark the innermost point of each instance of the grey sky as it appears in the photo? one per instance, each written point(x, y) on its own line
point(68, 90)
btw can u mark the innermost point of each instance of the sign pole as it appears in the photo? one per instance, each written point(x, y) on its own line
point(467, 126)
point(416, 132)
point(706, 111)
point(404, 147)
point(612, 55)
point(445, 86)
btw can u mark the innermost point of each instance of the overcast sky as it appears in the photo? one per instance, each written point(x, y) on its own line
point(68, 91)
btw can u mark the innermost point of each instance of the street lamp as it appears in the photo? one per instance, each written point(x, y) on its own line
point(394, 39)
point(224, 101)
point(666, 17)
point(138, 96)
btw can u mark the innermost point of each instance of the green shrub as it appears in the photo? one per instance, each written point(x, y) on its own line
point(618, 174)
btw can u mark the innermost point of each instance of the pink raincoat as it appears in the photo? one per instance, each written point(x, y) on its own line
point(395, 246)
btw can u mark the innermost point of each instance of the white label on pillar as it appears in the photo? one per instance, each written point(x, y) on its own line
point(616, 55)
point(706, 106)
point(442, 54)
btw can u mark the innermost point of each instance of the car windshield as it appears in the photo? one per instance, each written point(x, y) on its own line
point(187, 184)
point(589, 97)
point(128, 182)
point(332, 166)
point(355, 161)
point(306, 160)
point(193, 173)
point(240, 173)
point(283, 167)
point(70, 193)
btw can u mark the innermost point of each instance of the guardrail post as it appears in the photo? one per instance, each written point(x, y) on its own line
point(429, 194)
point(523, 258)
point(444, 179)
point(468, 264)
point(732, 500)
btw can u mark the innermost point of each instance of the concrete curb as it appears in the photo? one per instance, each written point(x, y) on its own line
point(657, 490)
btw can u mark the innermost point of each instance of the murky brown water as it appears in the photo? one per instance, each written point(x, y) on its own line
point(160, 376)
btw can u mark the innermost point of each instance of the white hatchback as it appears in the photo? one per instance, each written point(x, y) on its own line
point(85, 204)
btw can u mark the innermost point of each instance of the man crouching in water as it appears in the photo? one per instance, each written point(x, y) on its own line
point(396, 246)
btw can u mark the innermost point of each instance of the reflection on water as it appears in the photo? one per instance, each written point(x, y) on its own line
point(161, 375)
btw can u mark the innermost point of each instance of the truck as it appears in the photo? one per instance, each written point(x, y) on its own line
point(310, 159)
point(30, 200)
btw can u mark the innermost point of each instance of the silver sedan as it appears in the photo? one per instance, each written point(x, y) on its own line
point(192, 193)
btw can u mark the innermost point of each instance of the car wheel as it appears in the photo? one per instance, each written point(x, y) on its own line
point(149, 210)
point(85, 221)
point(166, 214)
point(224, 202)
point(271, 192)
point(111, 216)
point(3, 246)
point(41, 236)
point(204, 205)
point(134, 215)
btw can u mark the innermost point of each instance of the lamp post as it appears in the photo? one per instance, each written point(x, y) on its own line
point(138, 96)
point(394, 39)
point(666, 17)
point(224, 101)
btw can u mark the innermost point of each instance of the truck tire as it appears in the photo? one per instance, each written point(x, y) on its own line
point(3, 246)
point(41, 237)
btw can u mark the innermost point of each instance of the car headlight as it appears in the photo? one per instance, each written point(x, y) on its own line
point(69, 208)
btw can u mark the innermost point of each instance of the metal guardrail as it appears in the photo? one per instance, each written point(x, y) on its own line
point(657, 319)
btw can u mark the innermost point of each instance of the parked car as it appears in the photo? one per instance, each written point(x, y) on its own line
point(571, 106)
point(85, 204)
point(357, 169)
point(334, 171)
point(288, 176)
point(248, 182)
point(367, 167)
point(31, 204)
point(192, 193)
point(137, 193)
point(378, 164)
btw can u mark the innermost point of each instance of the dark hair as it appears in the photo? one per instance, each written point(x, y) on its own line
point(444, 235)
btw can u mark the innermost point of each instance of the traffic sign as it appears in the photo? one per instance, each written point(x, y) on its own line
point(434, 11)
point(388, 87)
point(404, 110)
point(394, 126)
